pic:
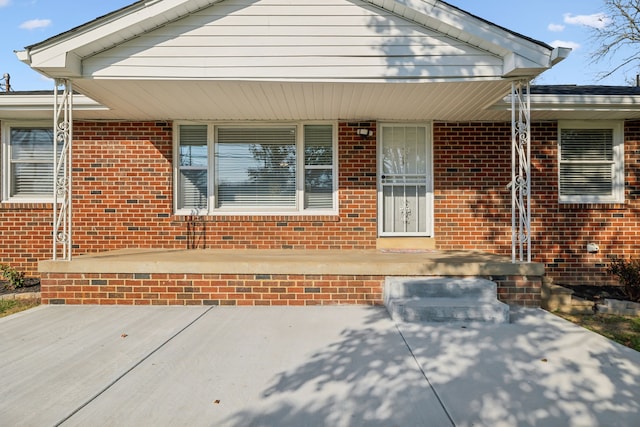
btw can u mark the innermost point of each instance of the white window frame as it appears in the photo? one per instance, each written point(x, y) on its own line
point(298, 209)
point(7, 165)
point(617, 190)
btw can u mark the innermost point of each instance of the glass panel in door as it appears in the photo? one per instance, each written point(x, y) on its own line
point(406, 196)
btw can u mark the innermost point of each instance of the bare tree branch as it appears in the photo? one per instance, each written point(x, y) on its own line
point(620, 30)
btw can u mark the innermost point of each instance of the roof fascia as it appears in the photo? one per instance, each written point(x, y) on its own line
point(561, 102)
point(44, 102)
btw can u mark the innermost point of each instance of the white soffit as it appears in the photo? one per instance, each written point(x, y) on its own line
point(229, 100)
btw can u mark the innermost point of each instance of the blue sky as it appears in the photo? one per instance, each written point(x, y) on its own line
point(556, 22)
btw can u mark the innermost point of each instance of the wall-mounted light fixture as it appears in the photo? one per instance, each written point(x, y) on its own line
point(593, 248)
point(364, 133)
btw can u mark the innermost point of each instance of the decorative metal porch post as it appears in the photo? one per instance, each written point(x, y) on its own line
point(62, 137)
point(520, 172)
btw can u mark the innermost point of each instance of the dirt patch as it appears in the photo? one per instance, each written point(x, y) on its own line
point(31, 284)
point(594, 292)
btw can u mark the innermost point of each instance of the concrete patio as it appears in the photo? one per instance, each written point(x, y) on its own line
point(307, 366)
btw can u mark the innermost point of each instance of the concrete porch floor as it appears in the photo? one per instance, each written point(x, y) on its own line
point(246, 261)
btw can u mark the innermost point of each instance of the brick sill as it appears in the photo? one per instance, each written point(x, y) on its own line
point(19, 206)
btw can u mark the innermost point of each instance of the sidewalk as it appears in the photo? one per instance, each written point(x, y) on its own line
point(307, 366)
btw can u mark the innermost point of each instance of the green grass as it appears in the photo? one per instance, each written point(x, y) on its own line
point(621, 329)
point(11, 306)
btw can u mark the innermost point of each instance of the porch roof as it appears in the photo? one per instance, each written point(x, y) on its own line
point(557, 102)
point(554, 102)
point(38, 105)
point(256, 60)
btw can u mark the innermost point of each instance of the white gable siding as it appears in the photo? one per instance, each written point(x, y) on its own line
point(333, 40)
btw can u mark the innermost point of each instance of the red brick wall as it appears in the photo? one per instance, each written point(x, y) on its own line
point(123, 198)
point(25, 233)
point(562, 231)
point(122, 186)
point(211, 289)
point(124, 189)
point(472, 166)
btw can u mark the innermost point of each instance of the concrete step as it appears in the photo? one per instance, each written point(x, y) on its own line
point(440, 287)
point(443, 299)
point(447, 310)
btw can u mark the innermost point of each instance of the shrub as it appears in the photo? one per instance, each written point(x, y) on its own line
point(13, 276)
point(628, 273)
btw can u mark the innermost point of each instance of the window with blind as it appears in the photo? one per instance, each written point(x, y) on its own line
point(255, 168)
point(318, 167)
point(193, 164)
point(28, 162)
point(591, 162)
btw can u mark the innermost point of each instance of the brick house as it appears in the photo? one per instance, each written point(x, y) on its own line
point(392, 129)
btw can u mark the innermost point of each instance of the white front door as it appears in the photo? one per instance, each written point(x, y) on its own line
point(405, 186)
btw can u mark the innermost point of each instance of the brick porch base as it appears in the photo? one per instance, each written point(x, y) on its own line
point(200, 277)
point(239, 289)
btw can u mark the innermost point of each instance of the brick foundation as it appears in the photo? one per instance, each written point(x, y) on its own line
point(242, 289)
point(519, 290)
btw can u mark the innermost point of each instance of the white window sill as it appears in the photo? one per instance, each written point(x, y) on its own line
point(186, 212)
point(16, 200)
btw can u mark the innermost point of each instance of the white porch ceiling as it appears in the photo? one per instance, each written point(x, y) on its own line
point(231, 100)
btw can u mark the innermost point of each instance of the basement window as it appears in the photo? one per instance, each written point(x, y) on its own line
point(591, 162)
point(255, 168)
point(27, 162)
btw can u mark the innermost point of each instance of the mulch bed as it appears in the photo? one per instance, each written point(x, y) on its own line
point(592, 292)
point(30, 285)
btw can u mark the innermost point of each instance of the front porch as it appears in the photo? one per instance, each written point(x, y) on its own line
point(269, 277)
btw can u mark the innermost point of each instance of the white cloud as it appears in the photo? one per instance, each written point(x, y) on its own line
point(4, 3)
point(35, 24)
point(564, 43)
point(597, 20)
point(556, 28)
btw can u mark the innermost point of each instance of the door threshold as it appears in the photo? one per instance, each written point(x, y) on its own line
point(406, 243)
